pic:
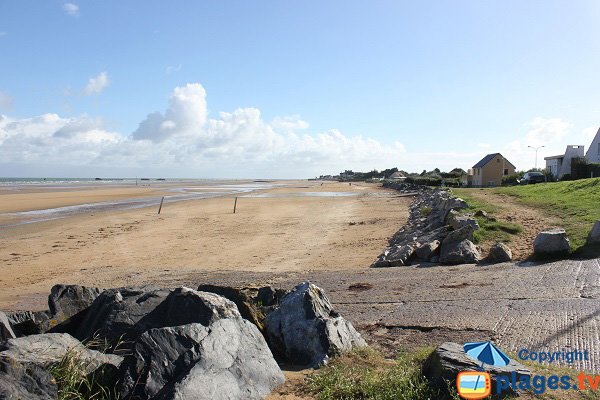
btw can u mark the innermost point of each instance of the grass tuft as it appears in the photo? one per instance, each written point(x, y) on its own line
point(74, 380)
point(366, 374)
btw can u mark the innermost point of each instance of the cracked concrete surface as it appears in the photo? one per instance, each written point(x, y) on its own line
point(541, 307)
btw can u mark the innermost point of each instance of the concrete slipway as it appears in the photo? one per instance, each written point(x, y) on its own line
point(542, 307)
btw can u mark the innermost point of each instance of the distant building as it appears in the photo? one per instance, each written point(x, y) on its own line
point(561, 165)
point(490, 170)
point(593, 153)
point(397, 176)
point(347, 174)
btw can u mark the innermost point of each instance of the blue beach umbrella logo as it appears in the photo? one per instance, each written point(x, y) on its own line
point(476, 385)
point(487, 353)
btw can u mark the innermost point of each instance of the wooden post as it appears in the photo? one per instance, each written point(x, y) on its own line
point(161, 202)
point(234, 205)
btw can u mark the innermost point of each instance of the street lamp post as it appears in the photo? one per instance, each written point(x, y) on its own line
point(536, 151)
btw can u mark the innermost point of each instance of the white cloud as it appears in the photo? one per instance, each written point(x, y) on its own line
point(186, 115)
point(186, 142)
point(171, 69)
point(6, 101)
point(71, 9)
point(545, 131)
point(96, 84)
point(549, 135)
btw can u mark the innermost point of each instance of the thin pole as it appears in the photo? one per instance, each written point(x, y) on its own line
point(536, 153)
point(161, 202)
point(235, 205)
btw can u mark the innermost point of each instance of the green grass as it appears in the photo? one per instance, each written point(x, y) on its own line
point(495, 231)
point(365, 374)
point(576, 203)
point(74, 380)
point(491, 229)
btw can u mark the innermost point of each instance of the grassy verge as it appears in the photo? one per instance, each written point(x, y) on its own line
point(491, 229)
point(365, 374)
point(576, 203)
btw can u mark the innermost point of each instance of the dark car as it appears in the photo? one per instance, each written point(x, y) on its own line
point(532, 177)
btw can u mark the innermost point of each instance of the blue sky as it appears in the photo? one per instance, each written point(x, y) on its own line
point(306, 87)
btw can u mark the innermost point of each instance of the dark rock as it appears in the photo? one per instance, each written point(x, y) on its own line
point(463, 252)
point(25, 382)
point(401, 255)
point(445, 362)
point(252, 303)
point(25, 323)
point(228, 359)
point(127, 313)
point(458, 235)
point(457, 221)
point(428, 250)
point(381, 264)
point(6, 331)
point(481, 213)
point(69, 304)
point(594, 235)
point(499, 252)
point(306, 330)
point(49, 348)
point(553, 242)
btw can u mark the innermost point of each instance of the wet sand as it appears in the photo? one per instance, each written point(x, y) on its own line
point(295, 231)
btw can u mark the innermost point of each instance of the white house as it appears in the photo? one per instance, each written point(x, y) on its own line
point(560, 165)
point(593, 153)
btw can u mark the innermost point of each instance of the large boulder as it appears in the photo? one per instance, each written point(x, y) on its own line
point(26, 323)
point(428, 250)
point(252, 303)
point(227, 359)
point(47, 349)
point(124, 314)
point(448, 359)
point(69, 304)
point(401, 254)
point(26, 382)
point(6, 331)
point(553, 242)
point(457, 220)
point(463, 252)
point(499, 252)
point(458, 248)
point(306, 330)
point(458, 235)
point(594, 236)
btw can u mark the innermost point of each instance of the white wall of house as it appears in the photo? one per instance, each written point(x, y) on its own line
point(554, 165)
point(561, 165)
point(593, 153)
point(571, 153)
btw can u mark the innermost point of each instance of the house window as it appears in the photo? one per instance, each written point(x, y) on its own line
point(505, 171)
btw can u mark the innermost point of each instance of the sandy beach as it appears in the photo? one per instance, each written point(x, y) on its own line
point(299, 226)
